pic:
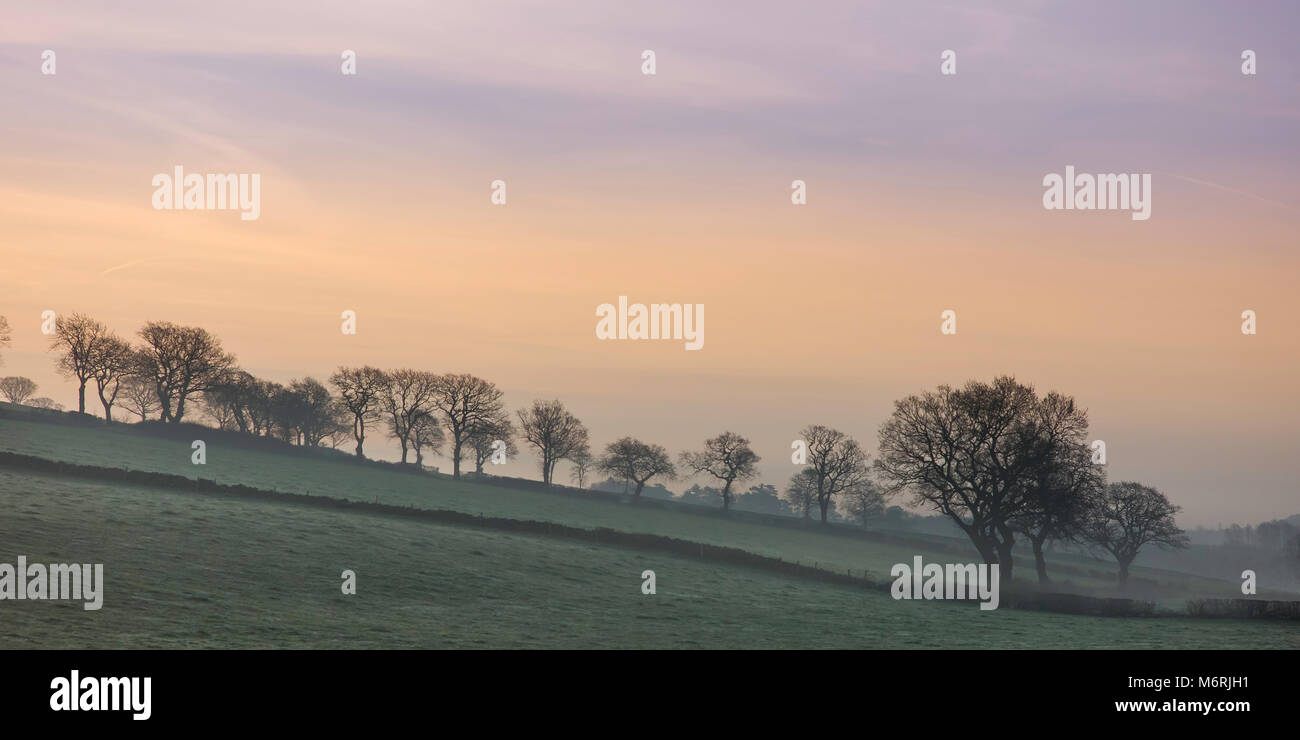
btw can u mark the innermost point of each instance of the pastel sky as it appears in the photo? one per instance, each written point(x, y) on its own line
point(924, 194)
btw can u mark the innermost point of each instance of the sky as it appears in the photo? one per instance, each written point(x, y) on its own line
point(924, 194)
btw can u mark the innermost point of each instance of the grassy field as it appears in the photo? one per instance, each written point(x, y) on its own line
point(121, 447)
point(192, 571)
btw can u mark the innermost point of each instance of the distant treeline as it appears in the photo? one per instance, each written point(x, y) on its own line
point(1003, 463)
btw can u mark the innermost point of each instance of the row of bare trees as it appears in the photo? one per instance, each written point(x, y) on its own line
point(1004, 463)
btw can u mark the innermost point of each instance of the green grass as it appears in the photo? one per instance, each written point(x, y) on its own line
point(319, 475)
point(193, 571)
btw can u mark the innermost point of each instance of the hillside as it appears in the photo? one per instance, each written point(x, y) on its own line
point(193, 571)
point(326, 473)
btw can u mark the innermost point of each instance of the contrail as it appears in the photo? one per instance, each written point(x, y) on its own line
point(1216, 185)
point(133, 263)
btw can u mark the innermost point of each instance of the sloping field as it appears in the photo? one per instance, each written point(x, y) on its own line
point(190, 570)
point(328, 476)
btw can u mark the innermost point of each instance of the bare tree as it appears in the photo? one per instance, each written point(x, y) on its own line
point(1126, 516)
point(1059, 488)
point(972, 454)
point(554, 432)
point(76, 338)
point(17, 389)
point(837, 463)
point(5, 334)
point(180, 361)
point(46, 403)
point(636, 462)
point(408, 396)
point(481, 439)
point(582, 461)
point(426, 435)
point(863, 501)
point(260, 405)
point(361, 391)
point(112, 361)
point(230, 399)
point(307, 413)
point(726, 457)
point(139, 396)
point(465, 402)
point(801, 491)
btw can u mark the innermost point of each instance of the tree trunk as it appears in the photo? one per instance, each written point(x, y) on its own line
point(1039, 561)
point(825, 504)
point(455, 460)
point(81, 397)
point(639, 485)
point(1005, 560)
point(1123, 574)
point(359, 431)
point(726, 497)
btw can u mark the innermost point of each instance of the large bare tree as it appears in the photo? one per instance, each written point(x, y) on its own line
point(361, 391)
point(180, 361)
point(465, 402)
point(76, 338)
point(637, 462)
point(837, 462)
point(17, 389)
point(1124, 517)
point(975, 454)
point(408, 396)
point(727, 457)
point(554, 432)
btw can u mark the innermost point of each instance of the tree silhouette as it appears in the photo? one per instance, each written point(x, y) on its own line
point(76, 337)
point(180, 361)
point(111, 361)
point(555, 433)
point(17, 389)
point(726, 457)
point(837, 463)
point(801, 492)
point(5, 335)
point(637, 462)
point(1057, 491)
point(974, 454)
point(139, 396)
point(1124, 517)
point(408, 396)
point(361, 391)
point(465, 402)
point(481, 438)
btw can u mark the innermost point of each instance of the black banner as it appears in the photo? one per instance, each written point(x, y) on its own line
point(934, 689)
